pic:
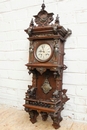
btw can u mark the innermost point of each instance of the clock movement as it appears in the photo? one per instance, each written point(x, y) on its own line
point(46, 63)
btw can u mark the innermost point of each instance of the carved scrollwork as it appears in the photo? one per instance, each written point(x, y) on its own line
point(31, 91)
point(69, 32)
point(31, 49)
point(56, 94)
point(64, 67)
point(56, 47)
point(64, 97)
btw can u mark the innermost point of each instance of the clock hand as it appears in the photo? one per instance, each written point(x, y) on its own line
point(40, 51)
point(43, 47)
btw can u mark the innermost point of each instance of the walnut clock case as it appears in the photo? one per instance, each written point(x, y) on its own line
point(46, 55)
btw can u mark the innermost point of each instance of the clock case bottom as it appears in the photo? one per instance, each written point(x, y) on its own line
point(47, 102)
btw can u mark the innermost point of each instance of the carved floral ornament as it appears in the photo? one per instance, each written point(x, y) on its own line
point(43, 19)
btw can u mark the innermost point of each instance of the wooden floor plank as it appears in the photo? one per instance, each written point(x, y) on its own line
point(13, 119)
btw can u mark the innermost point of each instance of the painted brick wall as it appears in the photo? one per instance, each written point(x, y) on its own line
point(15, 16)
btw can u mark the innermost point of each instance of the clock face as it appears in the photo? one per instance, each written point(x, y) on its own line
point(43, 52)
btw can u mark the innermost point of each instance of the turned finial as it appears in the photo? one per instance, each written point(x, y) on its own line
point(43, 5)
point(57, 19)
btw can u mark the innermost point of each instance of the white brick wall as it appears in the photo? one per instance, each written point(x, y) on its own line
point(15, 16)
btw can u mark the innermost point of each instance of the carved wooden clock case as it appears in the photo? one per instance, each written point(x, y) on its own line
point(46, 54)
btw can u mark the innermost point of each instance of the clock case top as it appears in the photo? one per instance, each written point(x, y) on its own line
point(40, 31)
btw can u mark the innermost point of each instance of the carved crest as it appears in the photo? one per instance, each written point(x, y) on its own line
point(43, 18)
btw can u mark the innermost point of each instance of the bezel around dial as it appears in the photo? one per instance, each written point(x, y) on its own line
point(36, 51)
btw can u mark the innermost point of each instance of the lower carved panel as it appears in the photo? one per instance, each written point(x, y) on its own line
point(54, 114)
point(51, 107)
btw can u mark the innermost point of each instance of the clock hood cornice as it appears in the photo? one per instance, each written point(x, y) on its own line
point(41, 25)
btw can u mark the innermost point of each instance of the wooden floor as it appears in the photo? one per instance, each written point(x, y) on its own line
point(14, 119)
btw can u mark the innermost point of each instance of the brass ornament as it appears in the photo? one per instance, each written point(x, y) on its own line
point(46, 86)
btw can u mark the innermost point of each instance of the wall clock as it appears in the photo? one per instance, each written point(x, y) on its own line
point(46, 63)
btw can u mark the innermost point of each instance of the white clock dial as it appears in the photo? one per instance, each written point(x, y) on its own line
point(43, 52)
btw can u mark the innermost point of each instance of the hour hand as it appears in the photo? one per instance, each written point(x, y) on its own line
point(40, 51)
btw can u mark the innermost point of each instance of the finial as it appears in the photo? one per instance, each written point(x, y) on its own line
point(31, 23)
point(57, 20)
point(43, 5)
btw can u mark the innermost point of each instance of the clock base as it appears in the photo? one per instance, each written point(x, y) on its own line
point(55, 117)
point(52, 108)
